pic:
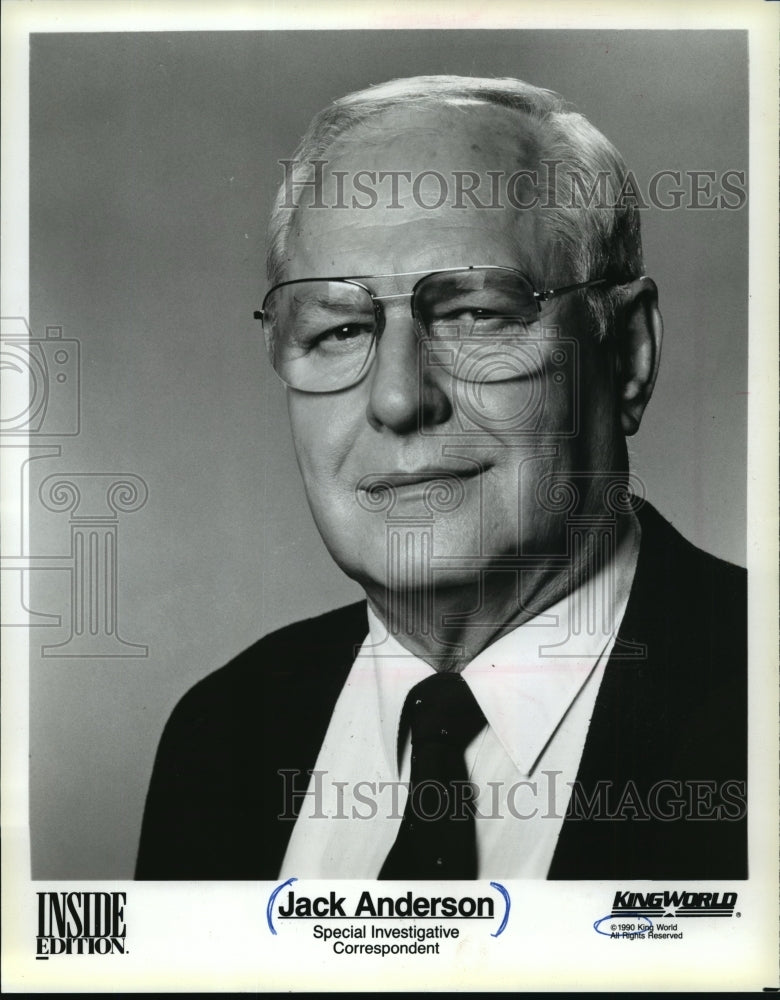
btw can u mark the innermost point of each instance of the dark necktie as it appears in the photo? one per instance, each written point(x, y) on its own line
point(437, 838)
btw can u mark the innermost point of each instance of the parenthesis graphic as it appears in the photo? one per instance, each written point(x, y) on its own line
point(505, 894)
point(271, 901)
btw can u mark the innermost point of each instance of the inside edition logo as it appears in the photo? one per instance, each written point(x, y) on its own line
point(80, 923)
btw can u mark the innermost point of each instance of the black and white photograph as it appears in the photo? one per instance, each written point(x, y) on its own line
point(389, 503)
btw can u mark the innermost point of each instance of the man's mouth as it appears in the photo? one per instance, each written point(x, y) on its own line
point(416, 477)
point(410, 482)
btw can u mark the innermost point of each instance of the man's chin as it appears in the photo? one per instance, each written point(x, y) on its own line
point(401, 576)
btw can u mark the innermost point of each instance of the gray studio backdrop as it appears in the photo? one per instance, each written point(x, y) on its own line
point(153, 165)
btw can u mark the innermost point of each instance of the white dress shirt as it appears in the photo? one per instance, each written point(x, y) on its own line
point(536, 686)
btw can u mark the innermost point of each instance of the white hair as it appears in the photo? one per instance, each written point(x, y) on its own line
point(593, 240)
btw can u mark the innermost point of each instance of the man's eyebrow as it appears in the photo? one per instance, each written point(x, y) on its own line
point(461, 281)
point(323, 302)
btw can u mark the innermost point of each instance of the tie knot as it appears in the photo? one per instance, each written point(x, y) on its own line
point(442, 709)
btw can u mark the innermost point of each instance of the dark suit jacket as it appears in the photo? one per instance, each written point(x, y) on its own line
point(677, 713)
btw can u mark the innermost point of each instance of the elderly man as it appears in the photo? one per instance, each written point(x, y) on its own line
point(546, 680)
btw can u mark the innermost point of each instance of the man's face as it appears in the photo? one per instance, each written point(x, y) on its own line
point(497, 446)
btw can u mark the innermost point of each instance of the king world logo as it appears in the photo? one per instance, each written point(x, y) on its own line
point(674, 904)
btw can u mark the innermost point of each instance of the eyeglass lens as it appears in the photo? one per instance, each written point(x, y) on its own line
point(321, 334)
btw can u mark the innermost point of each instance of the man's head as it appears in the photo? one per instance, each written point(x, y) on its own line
point(493, 422)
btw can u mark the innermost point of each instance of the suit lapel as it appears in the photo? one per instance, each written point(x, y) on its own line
point(619, 750)
point(307, 689)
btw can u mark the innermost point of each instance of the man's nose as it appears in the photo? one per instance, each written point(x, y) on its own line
point(405, 394)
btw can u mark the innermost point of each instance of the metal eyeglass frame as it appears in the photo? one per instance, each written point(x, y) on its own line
point(539, 296)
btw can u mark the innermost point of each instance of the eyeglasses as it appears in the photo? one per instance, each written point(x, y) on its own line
point(321, 333)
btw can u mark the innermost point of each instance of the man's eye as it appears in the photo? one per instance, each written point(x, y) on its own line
point(346, 332)
point(461, 318)
point(465, 312)
point(342, 336)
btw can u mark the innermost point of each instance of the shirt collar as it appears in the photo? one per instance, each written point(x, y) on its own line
point(526, 681)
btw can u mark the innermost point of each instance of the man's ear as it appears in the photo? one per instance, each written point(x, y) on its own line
point(638, 348)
